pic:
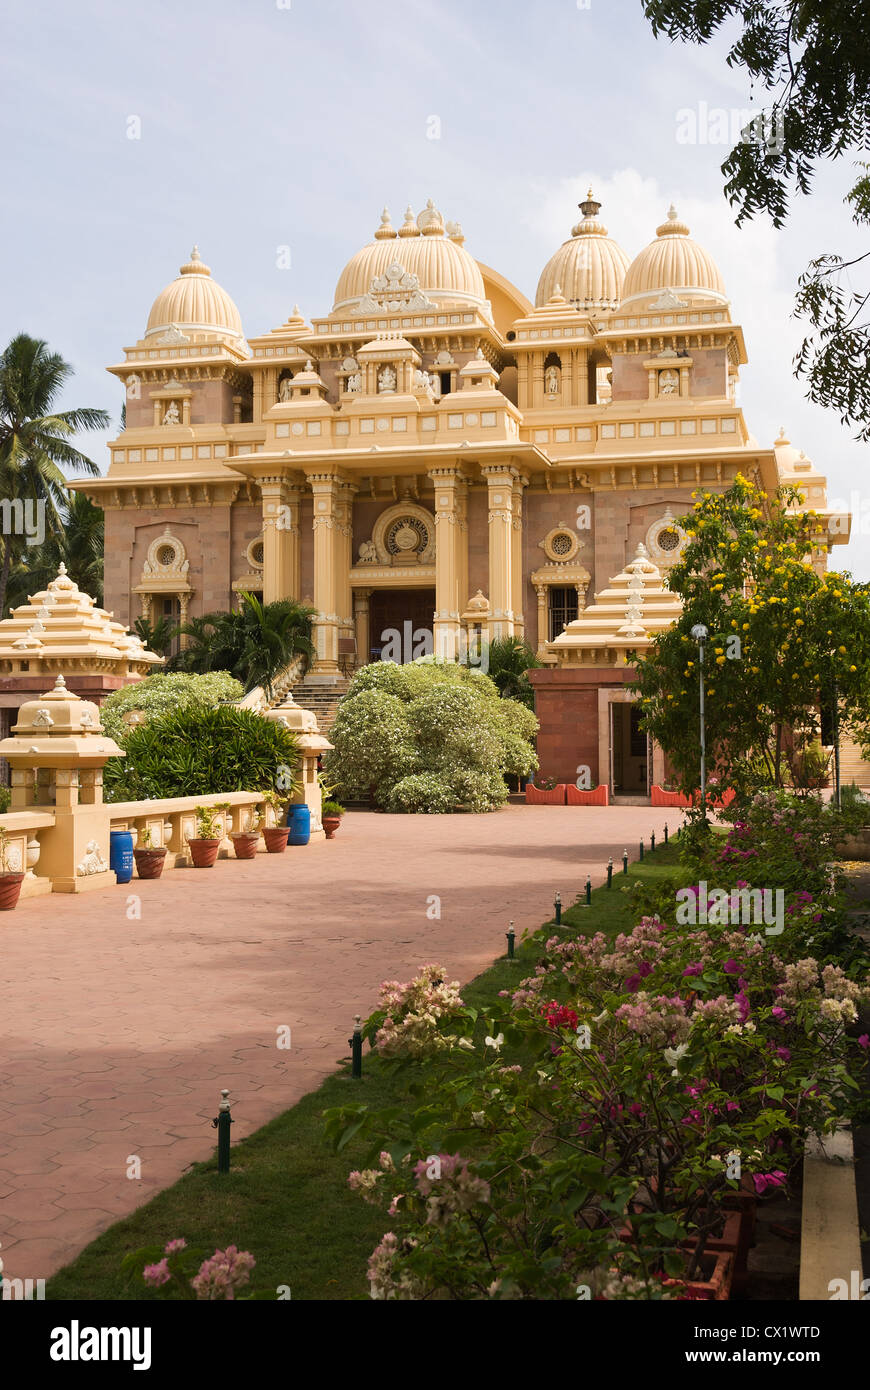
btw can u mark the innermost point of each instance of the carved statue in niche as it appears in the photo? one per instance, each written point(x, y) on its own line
point(354, 381)
point(553, 382)
point(669, 382)
point(386, 379)
point(285, 389)
point(368, 554)
point(171, 415)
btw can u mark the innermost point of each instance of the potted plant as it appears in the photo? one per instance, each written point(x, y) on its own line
point(245, 841)
point(10, 879)
point(331, 813)
point(149, 858)
point(275, 835)
point(205, 845)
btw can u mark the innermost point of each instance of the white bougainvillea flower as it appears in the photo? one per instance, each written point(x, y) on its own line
point(495, 1042)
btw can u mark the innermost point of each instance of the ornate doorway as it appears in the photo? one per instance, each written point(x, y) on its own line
point(400, 624)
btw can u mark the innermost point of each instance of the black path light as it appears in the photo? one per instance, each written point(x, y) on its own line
point(666, 832)
point(588, 890)
point(641, 851)
point(557, 904)
point(625, 861)
point(355, 1045)
point(609, 872)
point(511, 936)
point(652, 843)
point(221, 1122)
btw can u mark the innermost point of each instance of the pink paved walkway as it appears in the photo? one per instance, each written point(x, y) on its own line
point(118, 1034)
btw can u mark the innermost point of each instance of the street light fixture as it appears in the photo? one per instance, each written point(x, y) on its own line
point(699, 635)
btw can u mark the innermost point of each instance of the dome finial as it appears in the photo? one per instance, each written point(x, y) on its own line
point(674, 226)
point(591, 207)
point(386, 229)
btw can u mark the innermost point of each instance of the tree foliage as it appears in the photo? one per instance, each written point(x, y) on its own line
point(813, 57)
point(506, 661)
point(77, 542)
point(429, 736)
point(782, 639)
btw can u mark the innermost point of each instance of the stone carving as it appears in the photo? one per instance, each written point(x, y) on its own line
point(42, 719)
point(93, 862)
point(368, 554)
point(386, 379)
point(669, 300)
point(354, 382)
point(423, 381)
point(173, 334)
point(285, 390)
point(552, 378)
point(669, 382)
point(87, 720)
point(171, 415)
point(396, 289)
point(134, 387)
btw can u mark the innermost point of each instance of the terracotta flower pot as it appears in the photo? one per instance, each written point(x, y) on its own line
point(204, 853)
point(330, 825)
point(149, 862)
point(10, 890)
point(276, 838)
point(714, 1281)
point(245, 843)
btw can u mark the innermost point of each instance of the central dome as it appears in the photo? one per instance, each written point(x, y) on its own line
point(194, 301)
point(589, 268)
point(424, 247)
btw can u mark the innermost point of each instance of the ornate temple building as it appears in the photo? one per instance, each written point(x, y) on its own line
point(438, 457)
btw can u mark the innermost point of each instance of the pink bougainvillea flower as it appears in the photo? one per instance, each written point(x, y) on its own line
point(864, 1040)
point(158, 1274)
point(763, 1181)
point(173, 1246)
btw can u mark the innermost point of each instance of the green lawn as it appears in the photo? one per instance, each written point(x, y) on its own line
point(286, 1198)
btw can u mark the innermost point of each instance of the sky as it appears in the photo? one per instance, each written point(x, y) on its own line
point(252, 126)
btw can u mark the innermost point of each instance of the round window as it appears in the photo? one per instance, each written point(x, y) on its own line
point(562, 543)
point(166, 555)
point(257, 552)
point(668, 539)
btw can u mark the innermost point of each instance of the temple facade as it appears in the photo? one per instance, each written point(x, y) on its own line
point(436, 460)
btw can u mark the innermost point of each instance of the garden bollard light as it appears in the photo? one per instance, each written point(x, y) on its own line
point(588, 891)
point(625, 861)
point(609, 872)
point(652, 842)
point(510, 934)
point(221, 1123)
point(356, 1049)
point(666, 832)
point(641, 851)
point(557, 903)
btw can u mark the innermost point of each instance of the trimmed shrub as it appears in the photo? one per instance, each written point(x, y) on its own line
point(429, 736)
point(162, 694)
point(202, 752)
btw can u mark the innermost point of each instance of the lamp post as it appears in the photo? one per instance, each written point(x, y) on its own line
point(699, 634)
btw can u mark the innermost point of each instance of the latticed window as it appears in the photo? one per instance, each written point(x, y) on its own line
point(563, 609)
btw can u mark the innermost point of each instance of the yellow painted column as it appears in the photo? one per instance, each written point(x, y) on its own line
point(520, 483)
point(344, 560)
point(542, 592)
point(451, 559)
point(281, 503)
point(500, 484)
point(327, 520)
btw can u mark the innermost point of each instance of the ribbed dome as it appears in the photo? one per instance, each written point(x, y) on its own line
point(673, 262)
point(444, 269)
point(589, 269)
point(194, 301)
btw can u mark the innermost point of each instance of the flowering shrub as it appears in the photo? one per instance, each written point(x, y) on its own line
point(161, 694)
point(408, 1022)
point(180, 1272)
point(588, 1135)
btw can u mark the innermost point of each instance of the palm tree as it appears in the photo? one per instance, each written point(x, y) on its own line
point(252, 642)
point(158, 637)
point(508, 660)
point(35, 439)
point(78, 544)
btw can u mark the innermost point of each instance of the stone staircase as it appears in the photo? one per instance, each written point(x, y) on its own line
point(322, 700)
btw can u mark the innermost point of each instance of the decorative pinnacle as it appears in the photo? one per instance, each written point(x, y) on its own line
point(60, 683)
